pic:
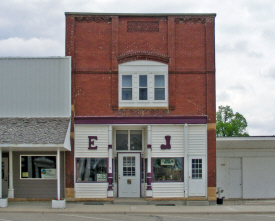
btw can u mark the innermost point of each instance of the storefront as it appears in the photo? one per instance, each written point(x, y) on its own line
point(149, 157)
point(33, 160)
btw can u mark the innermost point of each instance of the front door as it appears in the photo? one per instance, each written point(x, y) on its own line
point(5, 164)
point(129, 174)
point(197, 179)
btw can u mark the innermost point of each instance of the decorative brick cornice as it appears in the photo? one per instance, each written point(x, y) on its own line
point(187, 72)
point(97, 19)
point(142, 26)
point(190, 20)
point(142, 55)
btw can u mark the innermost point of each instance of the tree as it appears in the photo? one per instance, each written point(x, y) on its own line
point(229, 124)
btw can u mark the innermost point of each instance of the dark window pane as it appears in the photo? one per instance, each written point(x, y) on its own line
point(122, 140)
point(126, 93)
point(135, 140)
point(143, 94)
point(91, 169)
point(159, 94)
point(143, 80)
point(38, 167)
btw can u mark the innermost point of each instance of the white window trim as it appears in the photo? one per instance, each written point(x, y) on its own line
point(142, 67)
point(37, 155)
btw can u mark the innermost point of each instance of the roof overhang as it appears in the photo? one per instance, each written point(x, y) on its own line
point(262, 142)
point(35, 134)
point(141, 14)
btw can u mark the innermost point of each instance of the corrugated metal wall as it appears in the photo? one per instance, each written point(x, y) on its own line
point(35, 87)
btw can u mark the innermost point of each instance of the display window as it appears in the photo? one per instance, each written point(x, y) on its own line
point(167, 169)
point(91, 169)
point(38, 167)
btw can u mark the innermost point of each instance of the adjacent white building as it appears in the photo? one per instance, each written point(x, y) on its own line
point(246, 167)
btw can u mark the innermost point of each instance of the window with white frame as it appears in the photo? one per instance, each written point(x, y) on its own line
point(38, 167)
point(143, 84)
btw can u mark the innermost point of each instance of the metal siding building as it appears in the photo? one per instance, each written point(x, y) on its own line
point(35, 119)
point(35, 87)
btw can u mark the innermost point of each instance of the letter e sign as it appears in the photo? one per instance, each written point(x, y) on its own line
point(92, 142)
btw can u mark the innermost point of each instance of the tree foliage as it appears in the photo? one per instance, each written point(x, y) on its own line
point(229, 124)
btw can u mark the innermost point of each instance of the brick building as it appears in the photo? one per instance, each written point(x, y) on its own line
point(143, 102)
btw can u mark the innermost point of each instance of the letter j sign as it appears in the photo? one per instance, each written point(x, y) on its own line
point(92, 142)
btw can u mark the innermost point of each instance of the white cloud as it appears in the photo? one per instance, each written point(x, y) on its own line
point(31, 47)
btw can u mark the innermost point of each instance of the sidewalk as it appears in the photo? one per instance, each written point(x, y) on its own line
point(79, 207)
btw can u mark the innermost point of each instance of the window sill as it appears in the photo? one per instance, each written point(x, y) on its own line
point(143, 108)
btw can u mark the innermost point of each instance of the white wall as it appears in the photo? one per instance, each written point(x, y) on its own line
point(82, 142)
point(177, 141)
point(256, 170)
point(35, 87)
point(168, 189)
point(259, 177)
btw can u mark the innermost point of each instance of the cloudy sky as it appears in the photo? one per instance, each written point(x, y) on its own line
point(245, 43)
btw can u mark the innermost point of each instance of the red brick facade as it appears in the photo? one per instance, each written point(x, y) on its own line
point(98, 43)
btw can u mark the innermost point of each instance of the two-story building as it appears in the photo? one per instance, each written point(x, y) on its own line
point(143, 101)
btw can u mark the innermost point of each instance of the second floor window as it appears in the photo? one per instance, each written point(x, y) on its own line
point(143, 84)
point(126, 87)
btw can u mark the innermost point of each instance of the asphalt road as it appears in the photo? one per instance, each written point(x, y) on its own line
point(132, 217)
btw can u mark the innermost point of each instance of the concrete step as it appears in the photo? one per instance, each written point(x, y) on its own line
point(197, 203)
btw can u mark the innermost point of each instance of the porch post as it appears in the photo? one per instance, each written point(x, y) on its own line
point(149, 192)
point(3, 202)
point(11, 190)
point(58, 173)
point(186, 168)
point(110, 191)
point(1, 188)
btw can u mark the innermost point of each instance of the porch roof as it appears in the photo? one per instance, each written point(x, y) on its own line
point(35, 132)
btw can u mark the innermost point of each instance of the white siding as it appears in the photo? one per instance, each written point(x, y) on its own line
point(82, 142)
point(35, 87)
point(91, 190)
point(177, 141)
point(168, 189)
point(197, 139)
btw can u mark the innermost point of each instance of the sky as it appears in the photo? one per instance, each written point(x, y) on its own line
point(244, 37)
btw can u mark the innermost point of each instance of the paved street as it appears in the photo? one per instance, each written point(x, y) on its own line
point(263, 210)
point(133, 217)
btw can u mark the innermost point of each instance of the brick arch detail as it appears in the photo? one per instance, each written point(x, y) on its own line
point(143, 55)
